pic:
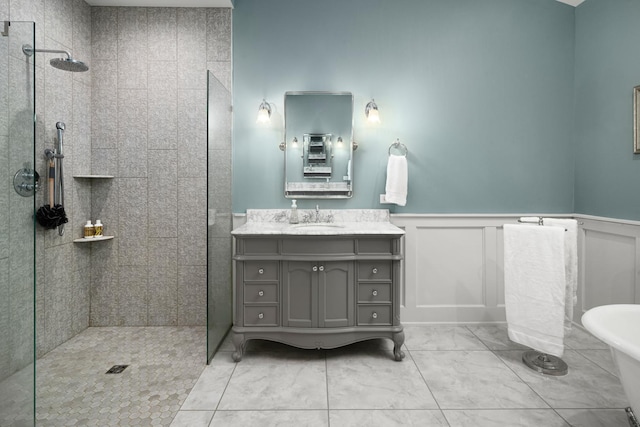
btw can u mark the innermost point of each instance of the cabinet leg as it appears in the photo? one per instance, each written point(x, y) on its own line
point(398, 340)
point(238, 343)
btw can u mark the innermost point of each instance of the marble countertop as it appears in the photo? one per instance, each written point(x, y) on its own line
point(340, 222)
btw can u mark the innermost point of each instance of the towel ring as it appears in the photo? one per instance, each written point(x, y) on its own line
point(399, 146)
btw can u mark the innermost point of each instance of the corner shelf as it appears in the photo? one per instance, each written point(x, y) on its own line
point(93, 176)
point(94, 239)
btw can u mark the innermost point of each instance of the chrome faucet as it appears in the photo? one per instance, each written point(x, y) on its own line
point(317, 213)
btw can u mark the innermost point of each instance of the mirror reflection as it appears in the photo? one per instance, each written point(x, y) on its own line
point(318, 144)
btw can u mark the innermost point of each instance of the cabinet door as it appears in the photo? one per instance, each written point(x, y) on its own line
point(300, 291)
point(336, 294)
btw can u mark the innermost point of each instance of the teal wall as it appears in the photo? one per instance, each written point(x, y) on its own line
point(607, 69)
point(481, 92)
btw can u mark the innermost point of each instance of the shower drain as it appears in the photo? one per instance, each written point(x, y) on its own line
point(116, 369)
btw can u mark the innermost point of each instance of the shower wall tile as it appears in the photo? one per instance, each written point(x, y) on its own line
point(80, 212)
point(104, 292)
point(132, 48)
point(104, 104)
point(192, 217)
point(163, 106)
point(133, 297)
point(163, 164)
point(104, 35)
point(80, 302)
point(104, 161)
point(5, 325)
point(4, 89)
point(163, 296)
point(192, 292)
point(192, 132)
point(192, 43)
point(163, 253)
point(220, 178)
point(163, 207)
point(133, 222)
point(81, 128)
point(58, 22)
point(81, 32)
point(132, 133)
point(162, 34)
point(219, 34)
point(222, 71)
point(4, 195)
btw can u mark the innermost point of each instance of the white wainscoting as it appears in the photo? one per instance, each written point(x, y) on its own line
point(454, 266)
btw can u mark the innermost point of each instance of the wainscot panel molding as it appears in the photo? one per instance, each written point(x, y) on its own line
point(454, 272)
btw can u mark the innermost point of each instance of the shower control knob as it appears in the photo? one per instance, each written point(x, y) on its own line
point(374, 293)
point(261, 271)
point(374, 271)
point(260, 293)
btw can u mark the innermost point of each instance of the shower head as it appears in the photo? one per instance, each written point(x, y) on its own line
point(65, 64)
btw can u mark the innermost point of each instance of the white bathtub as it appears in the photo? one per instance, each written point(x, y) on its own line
point(619, 326)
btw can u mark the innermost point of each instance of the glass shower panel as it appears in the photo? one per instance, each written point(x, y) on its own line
point(219, 290)
point(17, 231)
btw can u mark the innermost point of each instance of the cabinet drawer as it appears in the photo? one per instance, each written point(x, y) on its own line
point(261, 315)
point(260, 293)
point(374, 315)
point(260, 270)
point(374, 292)
point(374, 270)
point(375, 246)
point(258, 246)
point(318, 246)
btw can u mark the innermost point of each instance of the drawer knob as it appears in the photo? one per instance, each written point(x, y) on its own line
point(374, 293)
point(315, 268)
point(374, 315)
point(260, 293)
point(261, 271)
point(321, 268)
point(374, 271)
point(261, 316)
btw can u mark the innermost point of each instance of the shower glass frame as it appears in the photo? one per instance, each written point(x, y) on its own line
point(18, 236)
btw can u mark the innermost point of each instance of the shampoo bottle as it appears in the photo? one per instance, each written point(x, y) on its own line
point(293, 217)
point(97, 228)
point(88, 230)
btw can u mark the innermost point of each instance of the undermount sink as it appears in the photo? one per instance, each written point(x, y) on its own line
point(318, 225)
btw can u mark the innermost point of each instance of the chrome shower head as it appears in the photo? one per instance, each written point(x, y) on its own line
point(65, 64)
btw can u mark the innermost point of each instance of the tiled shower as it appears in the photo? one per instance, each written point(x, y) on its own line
point(140, 115)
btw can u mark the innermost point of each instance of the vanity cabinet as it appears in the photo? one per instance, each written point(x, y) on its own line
point(317, 291)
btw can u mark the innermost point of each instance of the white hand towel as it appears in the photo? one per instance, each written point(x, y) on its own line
point(397, 177)
point(571, 265)
point(534, 286)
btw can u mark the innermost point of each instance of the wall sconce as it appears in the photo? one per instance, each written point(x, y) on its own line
point(339, 142)
point(294, 144)
point(264, 113)
point(372, 113)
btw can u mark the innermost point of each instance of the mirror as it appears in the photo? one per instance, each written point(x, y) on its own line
point(318, 147)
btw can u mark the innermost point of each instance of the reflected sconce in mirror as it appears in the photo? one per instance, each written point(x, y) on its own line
point(371, 111)
point(264, 113)
point(339, 143)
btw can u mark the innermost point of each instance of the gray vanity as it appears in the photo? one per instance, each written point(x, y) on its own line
point(332, 280)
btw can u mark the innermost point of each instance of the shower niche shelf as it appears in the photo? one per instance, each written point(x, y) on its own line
point(93, 176)
point(93, 239)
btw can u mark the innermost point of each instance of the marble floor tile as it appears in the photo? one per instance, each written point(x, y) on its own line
point(580, 339)
point(375, 381)
point(505, 417)
point(585, 386)
point(387, 418)
point(305, 418)
point(192, 419)
point(495, 337)
point(594, 417)
point(443, 337)
point(282, 380)
point(602, 358)
point(473, 380)
point(207, 392)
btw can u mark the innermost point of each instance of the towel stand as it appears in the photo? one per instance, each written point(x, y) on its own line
point(399, 146)
point(543, 363)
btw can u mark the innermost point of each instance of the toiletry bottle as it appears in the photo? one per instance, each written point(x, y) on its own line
point(88, 230)
point(97, 228)
point(293, 217)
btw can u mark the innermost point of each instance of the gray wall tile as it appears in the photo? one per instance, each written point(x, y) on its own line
point(162, 34)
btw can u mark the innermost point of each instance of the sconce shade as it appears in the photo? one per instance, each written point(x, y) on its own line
point(264, 113)
point(372, 113)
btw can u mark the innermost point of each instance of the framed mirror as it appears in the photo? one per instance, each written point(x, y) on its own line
point(318, 148)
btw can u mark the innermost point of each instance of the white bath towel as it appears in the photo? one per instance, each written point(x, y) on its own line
point(571, 265)
point(534, 286)
point(397, 177)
